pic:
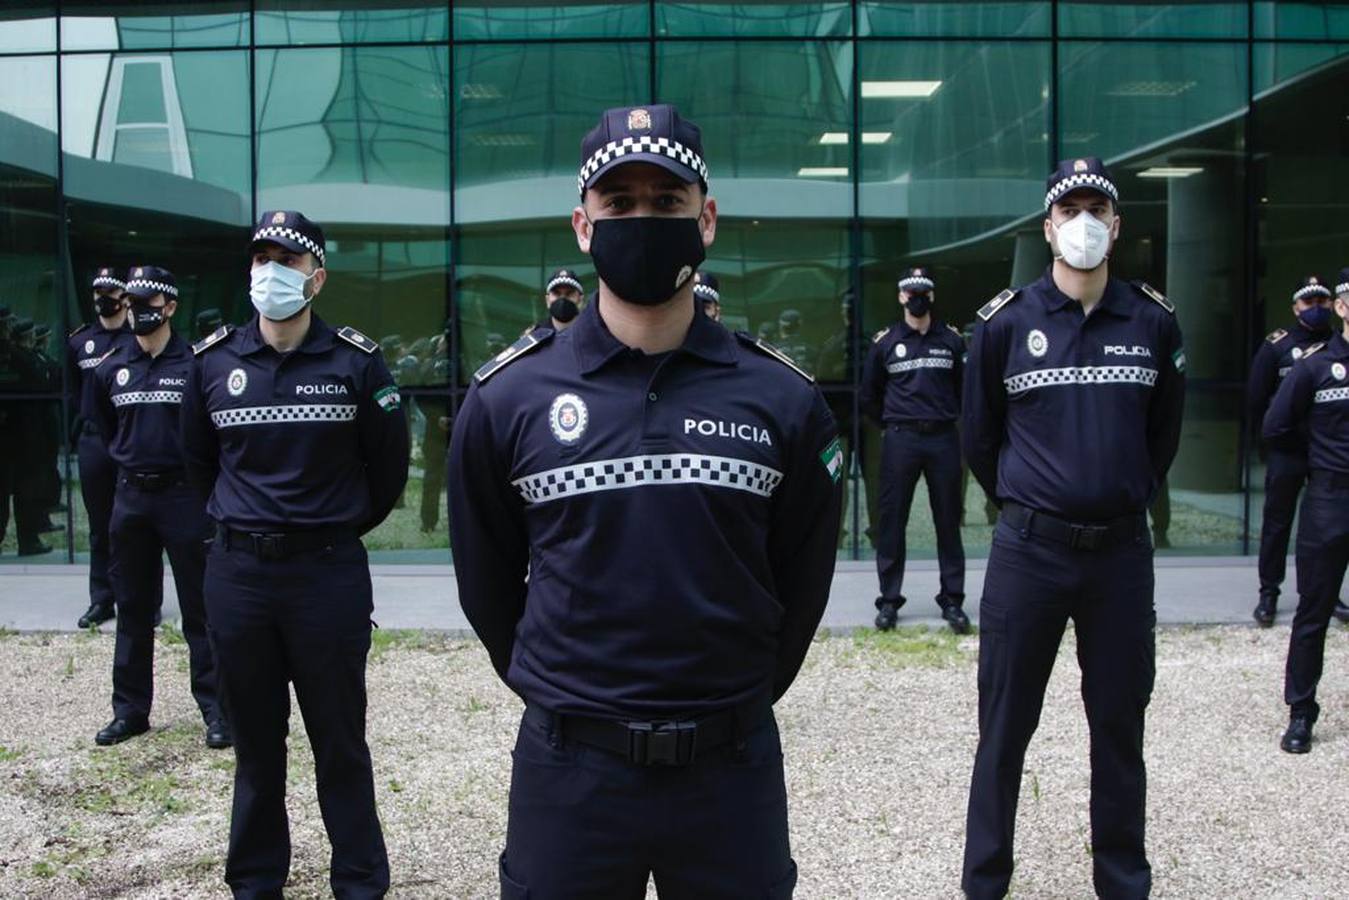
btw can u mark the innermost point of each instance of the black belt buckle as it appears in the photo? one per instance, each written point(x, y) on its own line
point(662, 743)
point(1087, 537)
point(269, 546)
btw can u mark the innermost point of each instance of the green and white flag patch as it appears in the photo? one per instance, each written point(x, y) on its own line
point(832, 458)
point(388, 398)
point(1179, 359)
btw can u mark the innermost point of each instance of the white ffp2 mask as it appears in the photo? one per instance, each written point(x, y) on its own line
point(1083, 241)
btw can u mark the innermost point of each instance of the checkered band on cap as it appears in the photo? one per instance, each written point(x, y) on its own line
point(707, 292)
point(1342, 288)
point(919, 282)
point(304, 412)
point(649, 471)
point(134, 397)
point(107, 281)
point(644, 146)
point(1082, 180)
point(158, 287)
point(304, 240)
point(1315, 290)
point(563, 280)
point(1041, 378)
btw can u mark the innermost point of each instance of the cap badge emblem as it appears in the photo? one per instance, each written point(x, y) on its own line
point(1080, 165)
point(639, 120)
point(1312, 280)
point(278, 218)
point(138, 273)
point(567, 418)
point(236, 383)
point(1037, 343)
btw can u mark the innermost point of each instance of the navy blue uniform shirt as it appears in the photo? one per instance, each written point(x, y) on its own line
point(313, 438)
point(644, 536)
point(1076, 416)
point(89, 346)
point(910, 375)
point(1312, 404)
point(1272, 363)
point(137, 405)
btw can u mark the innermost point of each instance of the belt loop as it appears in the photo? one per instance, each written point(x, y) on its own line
point(1025, 523)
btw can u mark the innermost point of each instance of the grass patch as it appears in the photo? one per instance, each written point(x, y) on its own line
point(9, 754)
point(382, 640)
point(908, 647)
point(171, 633)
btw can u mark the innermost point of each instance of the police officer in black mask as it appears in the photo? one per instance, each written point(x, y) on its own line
point(563, 297)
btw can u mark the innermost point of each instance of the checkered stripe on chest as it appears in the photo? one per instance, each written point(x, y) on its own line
point(1080, 375)
point(649, 471)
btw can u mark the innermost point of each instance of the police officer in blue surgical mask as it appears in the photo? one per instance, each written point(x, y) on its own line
point(294, 432)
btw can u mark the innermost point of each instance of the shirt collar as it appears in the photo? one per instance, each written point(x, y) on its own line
point(174, 348)
point(596, 345)
point(318, 339)
point(1111, 302)
point(907, 332)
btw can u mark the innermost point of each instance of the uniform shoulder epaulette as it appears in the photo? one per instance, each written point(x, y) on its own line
point(764, 347)
point(531, 341)
point(1277, 335)
point(215, 337)
point(1313, 349)
point(1156, 296)
point(357, 340)
point(876, 338)
point(956, 331)
point(78, 329)
point(989, 309)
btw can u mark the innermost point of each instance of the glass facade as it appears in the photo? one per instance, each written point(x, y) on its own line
point(437, 143)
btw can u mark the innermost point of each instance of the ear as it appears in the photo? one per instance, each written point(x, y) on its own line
point(1114, 228)
point(170, 307)
point(320, 278)
point(1049, 230)
point(581, 225)
point(708, 221)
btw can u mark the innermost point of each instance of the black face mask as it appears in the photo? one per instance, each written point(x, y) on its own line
point(563, 309)
point(919, 304)
point(107, 306)
point(146, 319)
point(646, 259)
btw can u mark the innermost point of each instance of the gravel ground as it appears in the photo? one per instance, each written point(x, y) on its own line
point(879, 734)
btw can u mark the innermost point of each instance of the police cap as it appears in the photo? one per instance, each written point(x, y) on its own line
point(1310, 288)
point(917, 280)
point(21, 326)
point(148, 281)
point(650, 134)
point(1087, 173)
point(1342, 285)
point(706, 287)
point(563, 278)
point(107, 279)
point(289, 229)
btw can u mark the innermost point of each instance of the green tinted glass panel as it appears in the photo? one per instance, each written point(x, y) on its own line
point(1198, 18)
point(153, 24)
point(952, 18)
point(954, 137)
point(514, 21)
point(281, 22)
point(148, 147)
point(1276, 64)
point(27, 27)
point(142, 93)
point(753, 19)
point(1287, 19)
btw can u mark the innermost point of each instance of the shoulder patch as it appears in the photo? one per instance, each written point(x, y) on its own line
point(1277, 335)
point(956, 331)
point(78, 329)
point(1156, 296)
point(357, 340)
point(876, 338)
point(503, 359)
point(1313, 349)
point(215, 337)
point(989, 309)
point(766, 348)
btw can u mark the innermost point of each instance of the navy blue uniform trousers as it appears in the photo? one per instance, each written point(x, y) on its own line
point(304, 619)
point(1285, 473)
point(907, 455)
point(143, 526)
point(98, 484)
point(1032, 588)
point(586, 823)
point(1322, 556)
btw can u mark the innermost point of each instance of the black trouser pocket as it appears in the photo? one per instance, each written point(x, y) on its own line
point(510, 888)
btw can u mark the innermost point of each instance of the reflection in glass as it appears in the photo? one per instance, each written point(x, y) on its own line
point(496, 21)
point(153, 25)
point(279, 22)
point(1302, 19)
point(955, 18)
point(827, 19)
point(1107, 18)
point(27, 27)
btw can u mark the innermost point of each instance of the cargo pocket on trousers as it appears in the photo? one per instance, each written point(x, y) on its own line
point(512, 889)
point(784, 888)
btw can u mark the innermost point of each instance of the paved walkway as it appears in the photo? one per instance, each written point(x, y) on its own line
point(1190, 590)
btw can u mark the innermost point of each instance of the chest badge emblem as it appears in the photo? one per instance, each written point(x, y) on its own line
point(901, 351)
point(237, 382)
point(1037, 343)
point(89, 346)
point(567, 418)
point(123, 376)
point(1338, 371)
point(1297, 353)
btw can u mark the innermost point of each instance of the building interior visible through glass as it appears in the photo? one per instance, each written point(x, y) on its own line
point(437, 144)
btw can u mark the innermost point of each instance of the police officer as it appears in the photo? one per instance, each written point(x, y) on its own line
point(207, 321)
point(137, 396)
point(1312, 405)
point(295, 431)
point(28, 432)
point(1285, 468)
point(707, 291)
point(911, 390)
point(563, 298)
point(648, 660)
point(88, 347)
point(789, 336)
point(1073, 396)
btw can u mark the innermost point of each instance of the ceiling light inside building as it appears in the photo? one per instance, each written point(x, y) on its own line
point(1170, 172)
point(479, 91)
point(868, 137)
point(899, 89)
point(823, 172)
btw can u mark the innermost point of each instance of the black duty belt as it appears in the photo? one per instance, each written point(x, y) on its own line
point(279, 545)
point(1324, 478)
point(153, 481)
point(1078, 535)
point(650, 743)
point(925, 426)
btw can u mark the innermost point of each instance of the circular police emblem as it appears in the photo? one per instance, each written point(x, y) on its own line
point(1037, 343)
point(683, 276)
point(123, 376)
point(567, 418)
point(1338, 371)
point(1297, 353)
point(89, 346)
point(901, 351)
point(236, 383)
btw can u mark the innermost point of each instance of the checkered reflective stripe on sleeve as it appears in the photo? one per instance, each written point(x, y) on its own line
point(1331, 395)
point(660, 146)
point(94, 362)
point(1039, 378)
point(649, 471)
point(302, 412)
point(132, 397)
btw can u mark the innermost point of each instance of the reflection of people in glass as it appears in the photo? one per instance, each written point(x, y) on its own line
point(707, 294)
point(29, 428)
point(1285, 466)
point(789, 339)
point(49, 435)
point(435, 436)
point(9, 382)
point(911, 389)
point(208, 320)
point(563, 298)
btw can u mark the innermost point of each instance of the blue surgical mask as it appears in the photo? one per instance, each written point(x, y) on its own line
point(277, 291)
point(1315, 318)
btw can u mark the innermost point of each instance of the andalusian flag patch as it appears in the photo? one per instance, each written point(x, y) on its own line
point(832, 457)
point(388, 399)
point(1179, 359)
